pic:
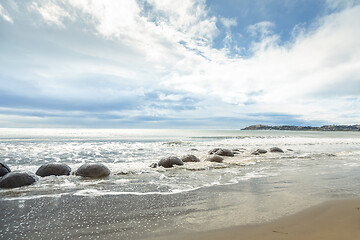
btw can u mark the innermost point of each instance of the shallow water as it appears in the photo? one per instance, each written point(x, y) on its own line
point(244, 189)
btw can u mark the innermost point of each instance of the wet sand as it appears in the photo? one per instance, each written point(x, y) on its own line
point(339, 219)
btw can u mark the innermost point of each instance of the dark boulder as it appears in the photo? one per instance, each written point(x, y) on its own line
point(93, 170)
point(56, 169)
point(259, 151)
point(170, 162)
point(213, 151)
point(222, 152)
point(190, 158)
point(17, 179)
point(214, 158)
point(4, 169)
point(276, 149)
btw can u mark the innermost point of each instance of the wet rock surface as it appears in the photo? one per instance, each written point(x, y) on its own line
point(170, 162)
point(17, 179)
point(93, 170)
point(276, 149)
point(215, 158)
point(259, 151)
point(190, 158)
point(222, 152)
point(56, 169)
point(4, 169)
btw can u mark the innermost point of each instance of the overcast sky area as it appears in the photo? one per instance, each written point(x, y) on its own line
point(179, 64)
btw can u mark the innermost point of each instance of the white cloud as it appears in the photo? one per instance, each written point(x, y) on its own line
point(228, 22)
point(336, 4)
point(261, 28)
point(4, 14)
point(294, 79)
point(51, 12)
point(169, 45)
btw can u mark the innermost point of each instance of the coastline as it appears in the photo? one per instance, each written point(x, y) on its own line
point(335, 219)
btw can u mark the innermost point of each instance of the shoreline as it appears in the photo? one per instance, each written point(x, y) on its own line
point(334, 219)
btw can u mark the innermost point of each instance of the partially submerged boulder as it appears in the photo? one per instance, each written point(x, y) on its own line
point(215, 158)
point(222, 152)
point(56, 169)
point(225, 152)
point(17, 179)
point(93, 170)
point(213, 151)
point(276, 149)
point(259, 151)
point(4, 169)
point(170, 162)
point(190, 158)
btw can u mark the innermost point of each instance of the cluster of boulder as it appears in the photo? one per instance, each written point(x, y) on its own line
point(9, 179)
point(215, 155)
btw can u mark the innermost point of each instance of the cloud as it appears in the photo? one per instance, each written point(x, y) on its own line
point(290, 78)
point(4, 14)
point(261, 28)
point(155, 60)
point(51, 12)
point(228, 22)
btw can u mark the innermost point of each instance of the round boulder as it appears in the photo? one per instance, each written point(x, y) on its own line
point(190, 158)
point(224, 152)
point(56, 169)
point(93, 170)
point(276, 149)
point(215, 158)
point(170, 162)
point(4, 169)
point(17, 179)
point(259, 151)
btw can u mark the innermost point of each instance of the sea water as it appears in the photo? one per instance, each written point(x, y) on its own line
point(246, 188)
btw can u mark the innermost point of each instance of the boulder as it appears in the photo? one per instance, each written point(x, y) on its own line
point(93, 170)
point(214, 158)
point(213, 151)
point(276, 149)
point(190, 158)
point(222, 152)
point(4, 169)
point(17, 179)
point(56, 169)
point(259, 151)
point(170, 162)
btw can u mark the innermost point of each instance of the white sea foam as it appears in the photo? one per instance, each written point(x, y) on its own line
point(128, 154)
point(31, 197)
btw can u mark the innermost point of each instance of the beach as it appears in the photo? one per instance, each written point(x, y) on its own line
point(313, 184)
point(332, 220)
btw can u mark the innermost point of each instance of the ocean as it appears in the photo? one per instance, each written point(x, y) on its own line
point(136, 201)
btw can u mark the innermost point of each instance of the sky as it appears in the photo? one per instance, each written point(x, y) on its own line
point(179, 64)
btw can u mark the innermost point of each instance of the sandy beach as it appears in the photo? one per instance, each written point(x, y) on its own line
point(339, 219)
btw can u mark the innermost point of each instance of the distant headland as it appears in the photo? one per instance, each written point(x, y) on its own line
point(305, 128)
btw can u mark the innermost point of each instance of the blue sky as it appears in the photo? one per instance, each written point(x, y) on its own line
point(179, 64)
